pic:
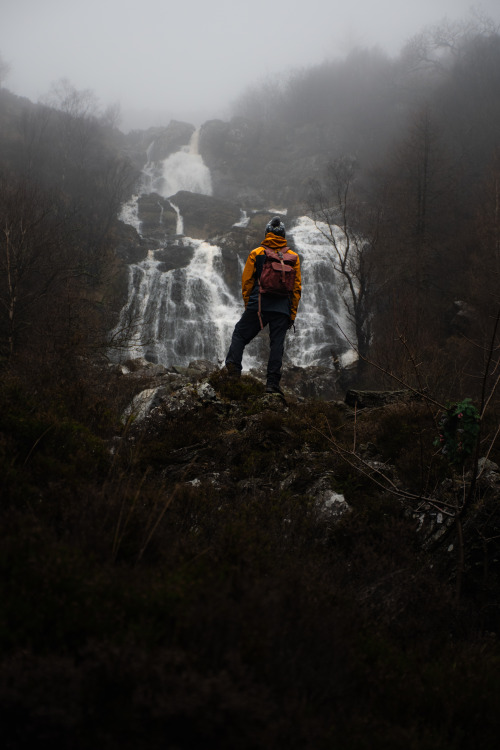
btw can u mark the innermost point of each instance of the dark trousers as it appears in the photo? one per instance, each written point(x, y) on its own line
point(247, 329)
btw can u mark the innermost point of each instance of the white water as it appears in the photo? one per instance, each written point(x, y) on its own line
point(322, 322)
point(244, 220)
point(185, 170)
point(183, 314)
point(179, 227)
point(176, 316)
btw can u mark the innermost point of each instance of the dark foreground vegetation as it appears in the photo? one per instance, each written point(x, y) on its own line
point(179, 586)
point(147, 604)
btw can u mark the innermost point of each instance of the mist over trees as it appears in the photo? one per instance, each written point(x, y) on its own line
point(63, 182)
point(424, 129)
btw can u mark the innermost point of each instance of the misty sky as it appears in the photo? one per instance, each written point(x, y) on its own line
point(189, 60)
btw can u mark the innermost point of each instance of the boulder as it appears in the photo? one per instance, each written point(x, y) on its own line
point(174, 256)
point(312, 382)
point(144, 402)
point(144, 367)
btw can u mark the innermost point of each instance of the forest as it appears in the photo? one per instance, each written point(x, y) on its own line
point(173, 582)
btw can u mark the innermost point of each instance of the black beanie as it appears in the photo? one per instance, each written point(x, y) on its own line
point(276, 226)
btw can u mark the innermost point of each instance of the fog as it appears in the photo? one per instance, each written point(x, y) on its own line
point(161, 59)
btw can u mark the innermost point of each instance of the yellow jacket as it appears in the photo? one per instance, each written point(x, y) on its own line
point(251, 275)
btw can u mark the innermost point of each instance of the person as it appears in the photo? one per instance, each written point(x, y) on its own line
point(276, 310)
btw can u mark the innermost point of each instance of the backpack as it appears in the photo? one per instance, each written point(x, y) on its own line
point(278, 274)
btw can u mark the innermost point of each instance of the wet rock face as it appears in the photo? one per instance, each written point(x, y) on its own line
point(205, 216)
point(174, 256)
point(231, 150)
point(258, 162)
point(130, 247)
point(157, 216)
point(236, 245)
point(165, 140)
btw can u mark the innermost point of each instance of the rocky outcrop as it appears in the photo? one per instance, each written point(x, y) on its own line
point(228, 149)
point(129, 245)
point(312, 382)
point(236, 244)
point(157, 216)
point(158, 143)
point(249, 425)
point(170, 139)
point(261, 162)
point(174, 256)
point(205, 216)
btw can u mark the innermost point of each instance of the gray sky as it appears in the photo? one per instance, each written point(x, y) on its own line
point(189, 60)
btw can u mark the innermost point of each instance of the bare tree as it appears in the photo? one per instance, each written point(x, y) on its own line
point(32, 259)
point(436, 48)
point(334, 209)
point(68, 99)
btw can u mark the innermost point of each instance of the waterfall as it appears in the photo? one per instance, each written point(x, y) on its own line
point(322, 321)
point(179, 228)
point(177, 315)
point(185, 170)
point(183, 314)
point(244, 220)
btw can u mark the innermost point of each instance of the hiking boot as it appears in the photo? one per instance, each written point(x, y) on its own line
point(232, 371)
point(274, 388)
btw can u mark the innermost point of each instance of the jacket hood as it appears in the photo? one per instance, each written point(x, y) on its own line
point(274, 241)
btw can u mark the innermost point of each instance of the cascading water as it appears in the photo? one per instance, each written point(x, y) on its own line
point(322, 322)
point(183, 314)
point(175, 316)
point(185, 170)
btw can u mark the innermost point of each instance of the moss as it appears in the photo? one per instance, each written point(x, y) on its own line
point(243, 389)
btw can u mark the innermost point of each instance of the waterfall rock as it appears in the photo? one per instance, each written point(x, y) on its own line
point(236, 244)
point(129, 245)
point(171, 139)
point(159, 142)
point(254, 161)
point(228, 149)
point(158, 218)
point(203, 215)
point(174, 256)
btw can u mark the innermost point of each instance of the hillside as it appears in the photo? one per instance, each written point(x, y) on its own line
point(211, 570)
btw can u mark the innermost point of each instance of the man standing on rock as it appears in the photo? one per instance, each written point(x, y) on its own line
point(271, 288)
